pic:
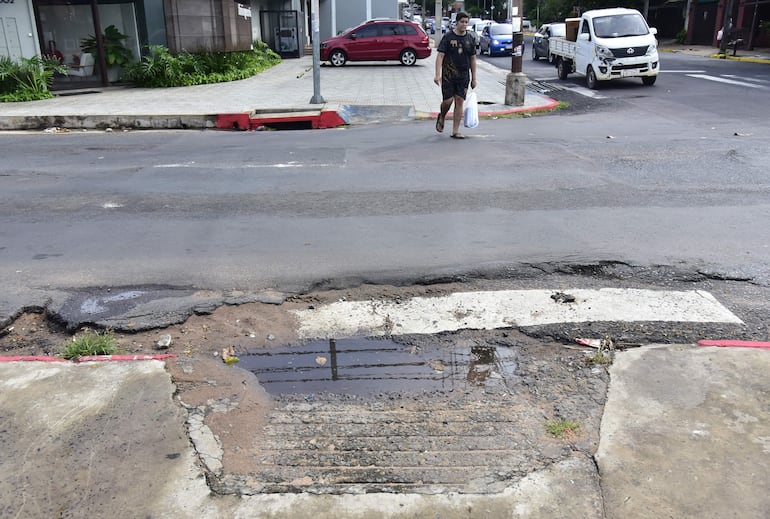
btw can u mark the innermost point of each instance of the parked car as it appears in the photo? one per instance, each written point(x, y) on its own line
point(431, 25)
point(542, 36)
point(497, 38)
point(378, 40)
point(478, 27)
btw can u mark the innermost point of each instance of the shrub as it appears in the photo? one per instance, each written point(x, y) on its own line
point(160, 68)
point(28, 79)
point(681, 36)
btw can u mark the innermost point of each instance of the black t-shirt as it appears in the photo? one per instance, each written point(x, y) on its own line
point(457, 55)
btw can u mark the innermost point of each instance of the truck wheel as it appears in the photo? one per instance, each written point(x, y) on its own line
point(649, 80)
point(591, 80)
point(562, 68)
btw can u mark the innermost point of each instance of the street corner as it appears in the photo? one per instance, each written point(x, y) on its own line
point(686, 415)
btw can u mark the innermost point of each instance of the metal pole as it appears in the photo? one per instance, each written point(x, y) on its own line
point(753, 27)
point(516, 80)
point(316, 99)
point(727, 27)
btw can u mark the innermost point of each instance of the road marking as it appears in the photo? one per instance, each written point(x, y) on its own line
point(583, 91)
point(505, 309)
point(724, 80)
point(683, 71)
point(545, 82)
point(755, 80)
point(176, 165)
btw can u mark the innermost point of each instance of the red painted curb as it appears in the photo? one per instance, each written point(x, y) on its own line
point(318, 120)
point(735, 344)
point(549, 106)
point(233, 122)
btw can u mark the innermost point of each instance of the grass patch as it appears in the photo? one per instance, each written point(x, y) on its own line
point(600, 358)
point(90, 343)
point(562, 428)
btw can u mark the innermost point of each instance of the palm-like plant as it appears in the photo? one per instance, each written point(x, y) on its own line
point(115, 52)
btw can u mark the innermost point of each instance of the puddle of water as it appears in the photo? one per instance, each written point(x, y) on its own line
point(364, 366)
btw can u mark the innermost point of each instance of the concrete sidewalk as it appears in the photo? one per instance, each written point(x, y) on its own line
point(365, 92)
point(756, 55)
point(685, 433)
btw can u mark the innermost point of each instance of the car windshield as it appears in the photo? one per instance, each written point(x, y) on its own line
point(501, 29)
point(619, 26)
point(558, 29)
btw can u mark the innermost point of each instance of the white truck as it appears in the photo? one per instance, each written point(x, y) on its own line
point(606, 44)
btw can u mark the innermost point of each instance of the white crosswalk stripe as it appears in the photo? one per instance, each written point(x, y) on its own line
point(726, 80)
point(508, 308)
point(752, 79)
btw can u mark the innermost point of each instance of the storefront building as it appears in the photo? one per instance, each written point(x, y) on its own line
point(58, 27)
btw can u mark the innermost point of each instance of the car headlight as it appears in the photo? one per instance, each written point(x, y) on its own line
point(324, 44)
point(652, 48)
point(495, 42)
point(604, 52)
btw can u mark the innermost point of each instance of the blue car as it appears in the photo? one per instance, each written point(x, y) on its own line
point(496, 39)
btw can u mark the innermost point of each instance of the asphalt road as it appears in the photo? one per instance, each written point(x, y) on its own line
point(689, 89)
point(624, 182)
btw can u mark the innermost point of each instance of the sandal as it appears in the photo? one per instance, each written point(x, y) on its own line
point(440, 123)
point(457, 136)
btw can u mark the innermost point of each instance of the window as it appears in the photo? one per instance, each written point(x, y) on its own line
point(393, 29)
point(367, 31)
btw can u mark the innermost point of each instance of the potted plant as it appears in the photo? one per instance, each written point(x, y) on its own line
point(116, 54)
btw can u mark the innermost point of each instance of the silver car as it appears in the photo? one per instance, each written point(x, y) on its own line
point(540, 40)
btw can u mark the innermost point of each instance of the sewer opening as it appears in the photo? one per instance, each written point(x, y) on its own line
point(365, 366)
point(288, 125)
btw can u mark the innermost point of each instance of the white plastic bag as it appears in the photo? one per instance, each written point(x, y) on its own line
point(471, 115)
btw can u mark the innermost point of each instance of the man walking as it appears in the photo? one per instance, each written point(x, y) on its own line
point(456, 57)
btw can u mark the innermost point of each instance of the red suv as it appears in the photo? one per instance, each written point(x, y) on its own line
point(378, 40)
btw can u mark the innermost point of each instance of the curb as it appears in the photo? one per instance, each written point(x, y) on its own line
point(104, 122)
point(550, 105)
point(725, 343)
point(316, 119)
point(88, 358)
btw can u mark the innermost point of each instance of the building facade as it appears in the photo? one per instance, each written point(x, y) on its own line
point(57, 27)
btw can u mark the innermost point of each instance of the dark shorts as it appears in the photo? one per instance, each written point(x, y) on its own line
point(457, 87)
